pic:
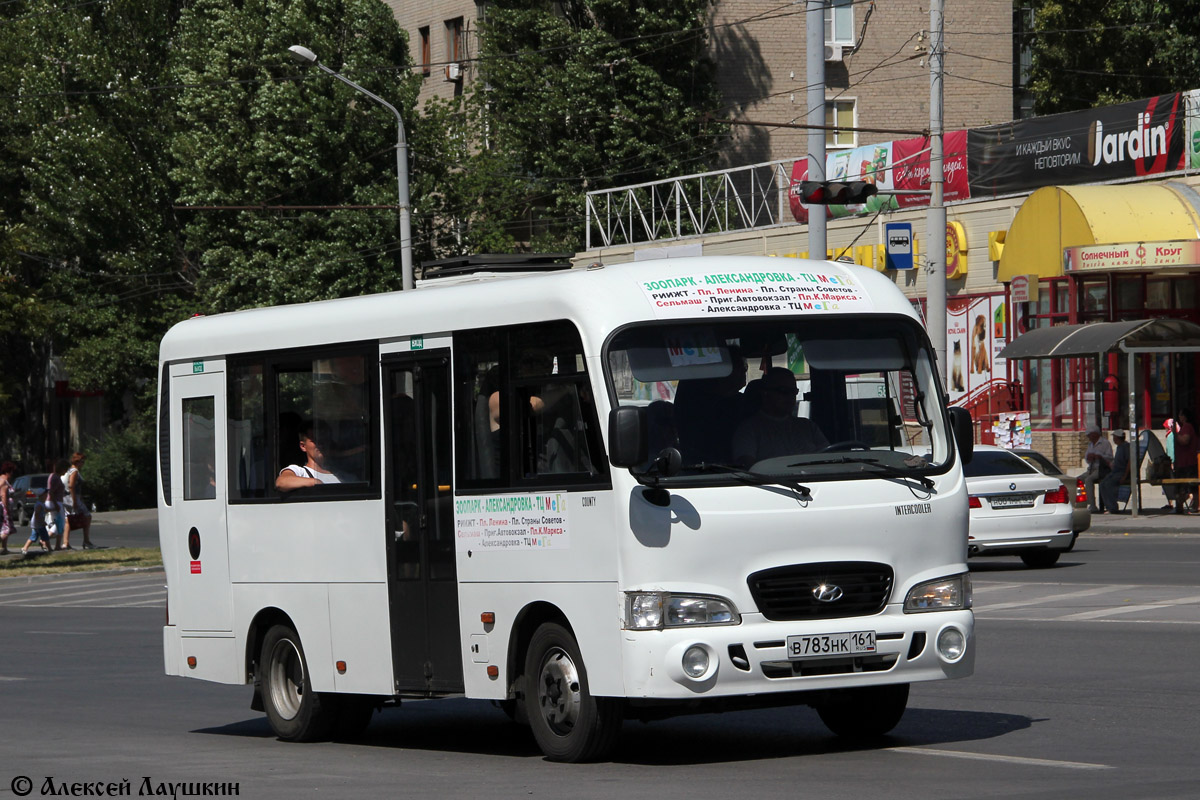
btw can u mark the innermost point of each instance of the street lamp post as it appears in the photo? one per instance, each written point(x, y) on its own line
point(306, 56)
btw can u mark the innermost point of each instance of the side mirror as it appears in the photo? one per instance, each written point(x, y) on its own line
point(964, 433)
point(627, 436)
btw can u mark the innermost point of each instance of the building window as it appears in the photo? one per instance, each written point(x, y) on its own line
point(839, 115)
point(426, 59)
point(839, 22)
point(454, 33)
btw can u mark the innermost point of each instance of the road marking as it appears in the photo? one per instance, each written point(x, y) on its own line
point(1050, 599)
point(1108, 612)
point(1031, 762)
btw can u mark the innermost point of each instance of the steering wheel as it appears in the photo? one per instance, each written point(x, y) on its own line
point(848, 444)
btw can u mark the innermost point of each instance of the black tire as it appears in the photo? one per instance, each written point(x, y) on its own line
point(1040, 559)
point(568, 723)
point(864, 714)
point(295, 711)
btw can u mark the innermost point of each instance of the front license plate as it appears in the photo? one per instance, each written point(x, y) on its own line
point(831, 644)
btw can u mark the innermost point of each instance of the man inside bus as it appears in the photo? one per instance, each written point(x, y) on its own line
point(314, 438)
point(776, 430)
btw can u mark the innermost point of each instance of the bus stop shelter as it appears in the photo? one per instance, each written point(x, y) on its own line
point(1095, 339)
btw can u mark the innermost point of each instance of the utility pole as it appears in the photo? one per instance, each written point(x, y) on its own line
point(814, 50)
point(935, 310)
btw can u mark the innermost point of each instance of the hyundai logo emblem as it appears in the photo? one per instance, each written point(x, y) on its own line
point(1012, 487)
point(827, 593)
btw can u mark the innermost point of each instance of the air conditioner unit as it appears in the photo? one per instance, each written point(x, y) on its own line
point(454, 71)
point(833, 52)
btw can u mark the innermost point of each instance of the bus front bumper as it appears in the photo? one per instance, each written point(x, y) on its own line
point(752, 658)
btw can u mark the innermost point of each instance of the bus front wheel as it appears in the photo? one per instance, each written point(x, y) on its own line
point(866, 713)
point(568, 723)
point(295, 711)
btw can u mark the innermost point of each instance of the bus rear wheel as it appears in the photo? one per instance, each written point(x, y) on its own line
point(295, 711)
point(866, 713)
point(568, 723)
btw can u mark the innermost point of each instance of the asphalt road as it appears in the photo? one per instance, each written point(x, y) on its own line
point(1085, 685)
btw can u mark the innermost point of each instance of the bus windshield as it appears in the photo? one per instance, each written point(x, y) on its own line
point(800, 398)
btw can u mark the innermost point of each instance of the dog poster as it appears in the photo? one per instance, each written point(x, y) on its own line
point(975, 334)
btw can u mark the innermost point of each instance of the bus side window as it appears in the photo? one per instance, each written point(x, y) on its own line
point(478, 402)
point(199, 449)
point(247, 432)
point(559, 435)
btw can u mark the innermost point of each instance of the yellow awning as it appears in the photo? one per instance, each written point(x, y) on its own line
point(1055, 217)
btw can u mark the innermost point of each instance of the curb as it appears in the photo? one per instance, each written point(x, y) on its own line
point(7, 581)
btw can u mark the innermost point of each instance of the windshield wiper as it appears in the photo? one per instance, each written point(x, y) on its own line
point(754, 478)
point(884, 469)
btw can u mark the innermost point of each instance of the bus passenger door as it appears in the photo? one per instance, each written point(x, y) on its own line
point(422, 580)
point(204, 600)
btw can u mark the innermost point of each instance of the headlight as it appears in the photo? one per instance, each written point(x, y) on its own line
point(943, 594)
point(656, 610)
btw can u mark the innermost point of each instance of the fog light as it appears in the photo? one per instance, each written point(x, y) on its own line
point(951, 644)
point(695, 661)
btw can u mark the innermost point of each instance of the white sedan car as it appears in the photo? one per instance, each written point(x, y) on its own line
point(1016, 510)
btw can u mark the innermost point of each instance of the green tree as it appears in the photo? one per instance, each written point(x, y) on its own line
point(1087, 54)
point(87, 266)
point(570, 97)
point(256, 129)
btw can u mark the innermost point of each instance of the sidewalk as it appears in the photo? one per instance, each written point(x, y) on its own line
point(1154, 521)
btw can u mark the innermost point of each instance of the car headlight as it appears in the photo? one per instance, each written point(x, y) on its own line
point(657, 610)
point(943, 594)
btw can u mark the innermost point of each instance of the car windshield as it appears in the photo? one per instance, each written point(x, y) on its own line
point(800, 398)
point(989, 463)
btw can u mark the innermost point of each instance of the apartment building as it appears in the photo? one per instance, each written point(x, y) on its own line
point(876, 66)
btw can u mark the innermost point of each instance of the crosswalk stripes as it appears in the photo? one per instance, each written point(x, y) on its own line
point(1075, 603)
point(994, 600)
point(135, 590)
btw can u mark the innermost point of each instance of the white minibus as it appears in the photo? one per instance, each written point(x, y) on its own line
point(589, 495)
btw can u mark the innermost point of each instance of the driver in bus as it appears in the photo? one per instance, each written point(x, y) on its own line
point(314, 439)
point(776, 430)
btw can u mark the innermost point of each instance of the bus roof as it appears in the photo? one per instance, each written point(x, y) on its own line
point(599, 299)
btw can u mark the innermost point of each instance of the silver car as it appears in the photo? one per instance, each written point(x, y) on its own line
point(1081, 517)
point(1015, 509)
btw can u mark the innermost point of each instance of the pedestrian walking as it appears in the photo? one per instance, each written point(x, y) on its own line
point(37, 524)
point(79, 515)
point(7, 500)
point(56, 492)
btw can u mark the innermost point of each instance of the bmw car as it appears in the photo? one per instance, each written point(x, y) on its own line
point(1081, 518)
point(1016, 510)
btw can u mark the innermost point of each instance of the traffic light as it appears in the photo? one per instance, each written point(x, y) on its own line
point(835, 193)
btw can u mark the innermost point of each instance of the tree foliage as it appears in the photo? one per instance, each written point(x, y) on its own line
point(89, 237)
point(1087, 54)
point(257, 129)
point(570, 97)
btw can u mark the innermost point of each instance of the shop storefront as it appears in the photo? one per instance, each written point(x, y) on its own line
point(1103, 254)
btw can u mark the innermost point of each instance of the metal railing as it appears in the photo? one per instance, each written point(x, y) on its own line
point(728, 200)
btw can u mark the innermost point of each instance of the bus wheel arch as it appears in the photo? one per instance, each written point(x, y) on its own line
point(263, 621)
point(530, 618)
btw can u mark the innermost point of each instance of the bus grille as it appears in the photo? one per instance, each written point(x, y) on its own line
point(787, 593)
